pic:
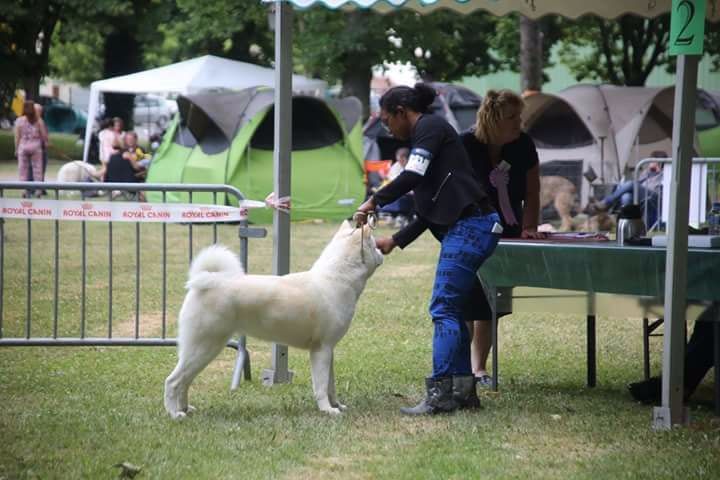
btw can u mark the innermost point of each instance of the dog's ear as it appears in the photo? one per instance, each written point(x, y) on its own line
point(345, 226)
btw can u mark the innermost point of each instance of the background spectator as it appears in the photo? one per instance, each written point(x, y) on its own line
point(505, 162)
point(111, 133)
point(698, 361)
point(43, 126)
point(401, 209)
point(30, 136)
point(124, 164)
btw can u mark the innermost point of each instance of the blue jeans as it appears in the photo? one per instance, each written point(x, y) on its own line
point(463, 250)
point(623, 193)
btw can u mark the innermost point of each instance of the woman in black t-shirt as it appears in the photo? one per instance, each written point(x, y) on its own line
point(500, 150)
point(505, 162)
point(453, 206)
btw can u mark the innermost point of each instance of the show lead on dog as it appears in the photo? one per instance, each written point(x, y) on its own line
point(451, 203)
point(506, 163)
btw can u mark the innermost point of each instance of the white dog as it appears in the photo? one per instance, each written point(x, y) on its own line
point(78, 171)
point(311, 310)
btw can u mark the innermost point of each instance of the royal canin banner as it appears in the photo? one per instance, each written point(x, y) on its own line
point(123, 211)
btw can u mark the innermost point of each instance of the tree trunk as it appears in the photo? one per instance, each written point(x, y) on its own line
point(122, 56)
point(531, 56)
point(357, 71)
point(37, 64)
point(356, 82)
point(31, 85)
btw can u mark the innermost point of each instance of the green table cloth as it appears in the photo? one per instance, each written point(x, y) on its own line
point(602, 267)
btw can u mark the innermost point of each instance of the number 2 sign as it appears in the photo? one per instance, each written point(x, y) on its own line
point(687, 27)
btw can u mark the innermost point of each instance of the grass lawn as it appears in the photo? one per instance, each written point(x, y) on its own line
point(75, 412)
point(9, 170)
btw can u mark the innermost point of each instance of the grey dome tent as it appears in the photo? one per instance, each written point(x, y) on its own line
point(605, 127)
point(457, 104)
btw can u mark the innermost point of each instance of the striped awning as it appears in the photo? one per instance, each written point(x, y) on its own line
point(529, 8)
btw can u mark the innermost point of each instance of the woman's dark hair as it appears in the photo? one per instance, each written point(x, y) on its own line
point(416, 98)
point(29, 110)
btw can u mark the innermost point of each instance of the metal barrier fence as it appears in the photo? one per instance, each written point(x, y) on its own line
point(83, 329)
point(713, 181)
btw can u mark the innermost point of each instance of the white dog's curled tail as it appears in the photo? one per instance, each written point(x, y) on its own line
point(210, 261)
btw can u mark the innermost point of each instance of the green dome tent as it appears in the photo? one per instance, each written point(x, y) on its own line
point(227, 138)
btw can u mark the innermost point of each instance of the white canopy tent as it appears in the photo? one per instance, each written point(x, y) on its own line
point(192, 76)
point(672, 411)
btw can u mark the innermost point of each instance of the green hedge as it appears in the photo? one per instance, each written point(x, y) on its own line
point(63, 146)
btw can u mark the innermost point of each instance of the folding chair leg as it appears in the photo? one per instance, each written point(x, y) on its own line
point(648, 329)
point(646, 349)
point(591, 352)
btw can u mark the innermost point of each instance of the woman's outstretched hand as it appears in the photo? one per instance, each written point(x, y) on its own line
point(385, 244)
point(533, 234)
point(361, 214)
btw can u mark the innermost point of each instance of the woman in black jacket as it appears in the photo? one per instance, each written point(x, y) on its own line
point(453, 206)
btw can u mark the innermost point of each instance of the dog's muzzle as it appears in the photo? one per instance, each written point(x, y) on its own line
point(360, 219)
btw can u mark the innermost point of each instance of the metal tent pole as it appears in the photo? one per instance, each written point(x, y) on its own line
point(278, 372)
point(672, 411)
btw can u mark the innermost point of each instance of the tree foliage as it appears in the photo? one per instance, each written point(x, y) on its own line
point(712, 43)
point(328, 41)
point(507, 46)
point(129, 30)
point(26, 28)
point(345, 46)
point(342, 46)
point(28, 31)
point(228, 28)
point(623, 51)
point(83, 40)
point(77, 53)
point(445, 46)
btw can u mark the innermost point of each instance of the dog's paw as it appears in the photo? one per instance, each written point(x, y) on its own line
point(182, 414)
point(332, 411)
point(340, 406)
point(178, 416)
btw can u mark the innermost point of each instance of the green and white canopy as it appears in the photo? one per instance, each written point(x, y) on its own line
point(528, 8)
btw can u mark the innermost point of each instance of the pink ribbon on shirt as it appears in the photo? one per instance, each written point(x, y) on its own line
point(499, 178)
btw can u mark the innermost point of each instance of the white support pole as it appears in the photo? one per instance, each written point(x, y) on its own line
point(672, 411)
point(278, 373)
point(92, 113)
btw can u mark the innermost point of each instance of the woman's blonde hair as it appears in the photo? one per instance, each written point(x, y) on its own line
point(494, 106)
